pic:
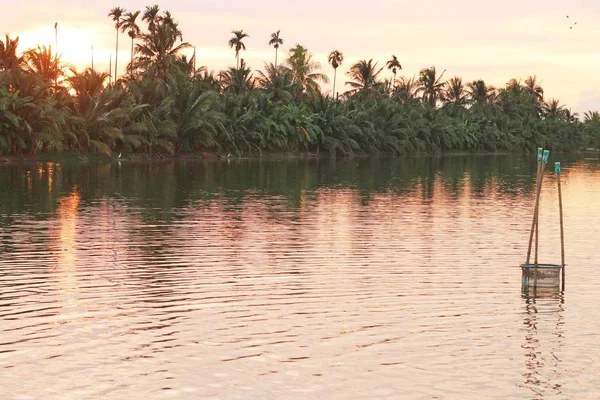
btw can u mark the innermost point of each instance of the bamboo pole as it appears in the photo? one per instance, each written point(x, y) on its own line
point(537, 214)
point(537, 199)
point(562, 232)
point(536, 223)
point(545, 157)
point(537, 226)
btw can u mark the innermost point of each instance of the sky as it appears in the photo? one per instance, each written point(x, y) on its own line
point(474, 39)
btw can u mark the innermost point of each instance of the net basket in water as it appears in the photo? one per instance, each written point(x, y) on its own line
point(541, 275)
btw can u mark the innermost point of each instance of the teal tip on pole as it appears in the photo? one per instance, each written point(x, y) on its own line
point(540, 152)
point(546, 156)
point(557, 168)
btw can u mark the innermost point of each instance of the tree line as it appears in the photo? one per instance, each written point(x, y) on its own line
point(166, 104)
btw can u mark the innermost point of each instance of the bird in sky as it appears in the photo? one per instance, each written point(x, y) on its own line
point(574, 23)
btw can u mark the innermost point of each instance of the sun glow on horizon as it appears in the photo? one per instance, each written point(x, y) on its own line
point(74, 44)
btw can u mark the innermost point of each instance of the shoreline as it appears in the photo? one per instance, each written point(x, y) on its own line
point(214, 156)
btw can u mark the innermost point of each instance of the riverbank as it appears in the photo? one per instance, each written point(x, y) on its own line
point(214, 156)
point(209, 156)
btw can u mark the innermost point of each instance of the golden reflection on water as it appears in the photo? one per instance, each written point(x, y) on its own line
point(63, 240)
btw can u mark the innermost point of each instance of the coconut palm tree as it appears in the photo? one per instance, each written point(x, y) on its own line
point(430, 85)
point(481, 96)
point(9, 58)
point(42, 62)
point(570, 116)
point(117, 15)
point(98, 115)
point(365, 78)
point(553, 109)
point(302, 66)
point(336, 58)
point(31, 115)
point(87, 83)
point(276, 82)
point(237, 80)
point(591, 116)
point(236, 42)
point(276, 41)
point(455, 96)
point(534, 88)
point(405, 90)
point(158, 52)
point(394, 65)
point(197, 122)
point(133, 30)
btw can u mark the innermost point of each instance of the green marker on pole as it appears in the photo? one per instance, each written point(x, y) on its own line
point(540, 152)
point(546, 156)
point(557, 168)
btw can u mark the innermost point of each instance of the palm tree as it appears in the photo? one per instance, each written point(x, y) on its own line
point(405, 90)
point(534, 88)
point(237, 80)
point(480, 95)
point(430, 85)
point(592, 117)
point(553, 109)
point(87, 83)
point(276, 82)
point(570, 116)
point(302, 67)
point(158, 53)
point(336, 58)
point(454, 95)
point(133, 30)
point(98, 115)
point(151, 16)
point(236, 42)
point(197, 122)
point(117, 16)
point(364, 76)
point(9, 60)
point(32, 117)
point(394, 65)
point(276, 41)
point(43, 62)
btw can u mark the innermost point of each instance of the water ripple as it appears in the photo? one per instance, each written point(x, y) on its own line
point(407, 286)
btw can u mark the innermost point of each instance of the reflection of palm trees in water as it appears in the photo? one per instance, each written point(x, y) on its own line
point(543, 319)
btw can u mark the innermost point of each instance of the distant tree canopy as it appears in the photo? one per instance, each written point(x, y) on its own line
point(166, 104)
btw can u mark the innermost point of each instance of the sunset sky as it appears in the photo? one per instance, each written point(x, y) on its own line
point(473, 39)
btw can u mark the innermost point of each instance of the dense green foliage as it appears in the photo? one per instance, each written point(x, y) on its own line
point(164, 104)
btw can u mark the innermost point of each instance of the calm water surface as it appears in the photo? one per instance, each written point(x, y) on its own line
point(295, 279)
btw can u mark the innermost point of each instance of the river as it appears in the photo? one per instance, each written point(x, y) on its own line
point(335, 279)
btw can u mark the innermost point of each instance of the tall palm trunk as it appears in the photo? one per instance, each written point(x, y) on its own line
point(276, 58)
point(334, 79)
point(131, 63)
point(116, 54)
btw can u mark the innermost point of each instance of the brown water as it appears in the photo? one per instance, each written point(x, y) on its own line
point(295, 279)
